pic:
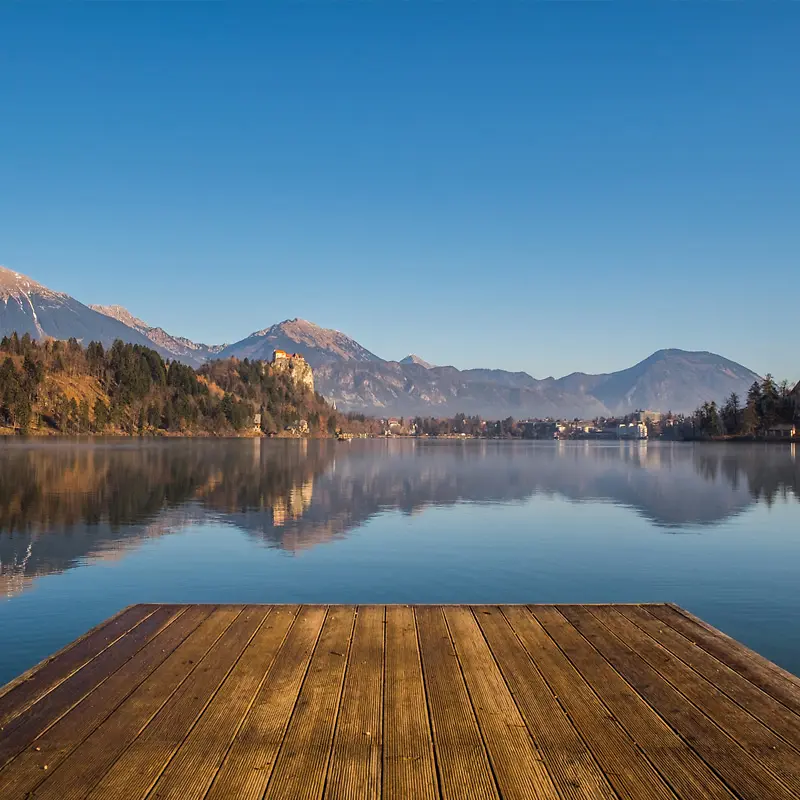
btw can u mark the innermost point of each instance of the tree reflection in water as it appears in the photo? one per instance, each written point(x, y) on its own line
point(65, 501)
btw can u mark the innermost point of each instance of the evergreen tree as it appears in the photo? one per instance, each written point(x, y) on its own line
point(732, 414)
point(752, 412)
point(74, 423)
point(769, 402)
point(22, 411)
point(102, 415)
point(707, 420)
point(84, 418)
point(169, 416)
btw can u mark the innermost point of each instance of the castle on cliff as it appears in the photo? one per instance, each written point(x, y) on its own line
point(297, 367)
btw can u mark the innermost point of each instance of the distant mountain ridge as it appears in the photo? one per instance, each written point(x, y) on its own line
point(179, 347)
point(358, 380)
point(415, 359)
point(669, 380)
point(318, 345)
point(28, 307)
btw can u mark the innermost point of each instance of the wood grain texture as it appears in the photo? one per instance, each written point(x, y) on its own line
point(92, 759)
point(302, 763)
point(199, 757)
point(740, 770)
point(574, 770)
point(33, 684)
point(247, 768)
point(55, 745)
point(767, 676)
point(761, 705)
point(408, 763)
point(766, 747)
point(664, 752)
point(35, 720)
point(734, 645)
point(461, 757)
point(138, 768)
point(395, 702)
point(518, 767)
point(355, 769)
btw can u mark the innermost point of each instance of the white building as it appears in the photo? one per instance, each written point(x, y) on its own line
point(633, 430)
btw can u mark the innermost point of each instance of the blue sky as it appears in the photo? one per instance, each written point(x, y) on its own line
point(543, 187)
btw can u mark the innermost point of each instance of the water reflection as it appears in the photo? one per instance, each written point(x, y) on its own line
point(64, 502)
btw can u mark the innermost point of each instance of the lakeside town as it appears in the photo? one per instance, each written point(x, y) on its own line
point(639, 425)
point(771, 412)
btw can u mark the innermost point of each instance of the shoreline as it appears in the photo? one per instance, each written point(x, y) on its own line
point(7, 433)
point(39, 434)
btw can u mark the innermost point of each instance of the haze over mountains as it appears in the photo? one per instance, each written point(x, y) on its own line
point(359, 380)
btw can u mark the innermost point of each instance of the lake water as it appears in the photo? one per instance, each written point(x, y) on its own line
point(89, 527)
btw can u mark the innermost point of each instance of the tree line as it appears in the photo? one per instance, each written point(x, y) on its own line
point(767, 404)
point(128, 388)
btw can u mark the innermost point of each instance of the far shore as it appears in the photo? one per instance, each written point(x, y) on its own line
point(45, 434)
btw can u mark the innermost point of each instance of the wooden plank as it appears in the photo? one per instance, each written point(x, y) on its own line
point(135, 772)
point(767, 709)
point(740, 771)
point(575, 772)
point(631, 774)
point(247, 768)
point(734, 644)
point(355, 768)
point(516, 761)
point(21, 693)
point(21, 731)
point(597, 702)
point(302, 763)
point(92, 759)
point(461, 758)
point(766, 747)
point(775, 682)
point(26, 771)
point(408, 765)
point(194, 766)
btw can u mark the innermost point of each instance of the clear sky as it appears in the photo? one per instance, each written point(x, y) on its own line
point(541, 187)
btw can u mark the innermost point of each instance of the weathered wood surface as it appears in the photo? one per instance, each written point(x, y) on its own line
point(550, 702)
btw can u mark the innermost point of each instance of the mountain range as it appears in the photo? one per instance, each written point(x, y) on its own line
point(358, 380)
point(177, 347)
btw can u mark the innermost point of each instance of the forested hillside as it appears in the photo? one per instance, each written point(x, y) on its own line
point(62, 387)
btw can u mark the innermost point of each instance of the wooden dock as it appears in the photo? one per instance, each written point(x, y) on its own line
point(552, 702)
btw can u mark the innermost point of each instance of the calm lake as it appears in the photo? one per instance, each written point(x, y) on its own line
point(87, 527)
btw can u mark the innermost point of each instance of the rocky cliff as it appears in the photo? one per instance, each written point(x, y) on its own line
point(298, 369)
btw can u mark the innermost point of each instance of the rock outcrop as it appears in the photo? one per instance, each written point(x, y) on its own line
point(298, 369)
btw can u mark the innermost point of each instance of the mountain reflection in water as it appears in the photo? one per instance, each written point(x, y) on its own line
point(64, 502)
